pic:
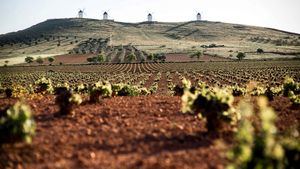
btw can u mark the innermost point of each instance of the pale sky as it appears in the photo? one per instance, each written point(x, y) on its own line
point(279, 14)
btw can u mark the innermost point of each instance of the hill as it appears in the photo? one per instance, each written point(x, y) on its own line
point(83, 36)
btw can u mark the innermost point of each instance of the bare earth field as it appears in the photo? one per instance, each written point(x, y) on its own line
point(126, 132)
point(141, 131)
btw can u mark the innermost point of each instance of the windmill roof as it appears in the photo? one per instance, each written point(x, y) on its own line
point(198, 14)
point(149, 14)
point(105, 13)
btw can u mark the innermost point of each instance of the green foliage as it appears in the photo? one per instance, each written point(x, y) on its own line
point(271, 92)
point(197, 54)
point(128, 90)
point(159, 57)
point(131, 57)
point(213, 104)
point(44, 85)
point(39, 60)
point(259, 51)
point(290, 85)
point(67, 101)
point(51, 59)
point(238, 91)
point(17, 124)
point(96, 59)
point(241, 55)
point(150, 56)
point(295, 99)
point(81, 88)
point(29, 59)
point(262, 148)
point(103, 89)
point(258, 90)
point(100, 58)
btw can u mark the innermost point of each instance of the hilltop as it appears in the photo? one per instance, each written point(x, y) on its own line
point(83, 36)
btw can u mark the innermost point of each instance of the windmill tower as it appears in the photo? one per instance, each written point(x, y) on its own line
point(80, 14)
point(149, 17)
point(198, 17)
point(105, 16)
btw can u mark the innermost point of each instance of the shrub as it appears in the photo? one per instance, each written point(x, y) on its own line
point(215, 105)
point(100, 58)
point(103, 89)
point(131, 57)
point(238, 91)
point(29, 59)
point(44, 85)
point(271, 92)
point(290, 85)
point(262, 148)
point(51, 59)
point(259, 51)
point(8, 92)
point(17, 124)
point(197, 54)
point(39, 60)
point(150, 56)
point(128, 90)
point(241, 55)
point(67, 101)
point(295, 99)
point(81, 88)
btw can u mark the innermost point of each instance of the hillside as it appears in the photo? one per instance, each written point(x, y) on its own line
point(82, 36)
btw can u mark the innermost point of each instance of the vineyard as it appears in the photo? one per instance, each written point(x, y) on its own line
point(224, 114)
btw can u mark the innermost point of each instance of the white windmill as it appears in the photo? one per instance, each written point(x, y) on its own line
point(81, 13)
point(199, 17)
point(105, 16)
point(149, 17)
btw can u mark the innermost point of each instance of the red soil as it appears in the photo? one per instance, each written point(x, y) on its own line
point(72, 58)
point(125, 132)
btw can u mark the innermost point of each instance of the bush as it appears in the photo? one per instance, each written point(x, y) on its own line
point(128, 90)
point(197, 54)
point(51, 59)
point(261, 147)
point(39, 60)
point(215, 105)
point(44, 85)
point(241, 55)
point(238, 91)
point(17, 124)
point(290, 85)
point(103, 89)
point(29, 59)
point(131, 57)
point(259, 51)
point(67, 101)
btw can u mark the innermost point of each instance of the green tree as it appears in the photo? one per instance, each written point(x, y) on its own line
point(259, 51)
point(51, 59)
point(241, 55)
point(150, 56)
point(39, 60)
point(197, 54)
point(29, 59)
point(100, 58)
point(131, 57)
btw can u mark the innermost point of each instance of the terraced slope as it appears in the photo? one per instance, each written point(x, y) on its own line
point(60, 36)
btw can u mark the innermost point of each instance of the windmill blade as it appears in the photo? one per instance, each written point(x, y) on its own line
point(84, 13)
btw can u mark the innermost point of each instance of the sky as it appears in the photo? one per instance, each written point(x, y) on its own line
point(279, 14)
